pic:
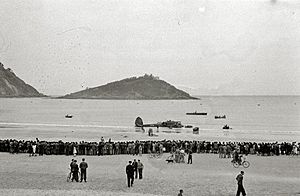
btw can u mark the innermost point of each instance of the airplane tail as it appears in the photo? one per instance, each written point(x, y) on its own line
point(139, 122)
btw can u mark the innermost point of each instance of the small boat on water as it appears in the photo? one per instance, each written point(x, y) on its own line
point(196, 113)
point(196, 130)
point(68, 116)
point(226, 127)
point(220, 117)
point(188, 126)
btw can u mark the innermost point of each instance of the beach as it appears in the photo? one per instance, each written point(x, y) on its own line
point(208, 175)
point(73, 133)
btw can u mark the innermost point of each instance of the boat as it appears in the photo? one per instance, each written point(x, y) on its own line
point(220, 117)
point(196, 130)
point(68, 116)
point(188, 126)
point(226, 127)
point(196, 113)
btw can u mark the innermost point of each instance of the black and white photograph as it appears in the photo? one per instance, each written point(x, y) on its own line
point(150, 97)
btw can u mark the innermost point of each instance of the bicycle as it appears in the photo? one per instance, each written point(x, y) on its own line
point(244, 163)
point(69, 176)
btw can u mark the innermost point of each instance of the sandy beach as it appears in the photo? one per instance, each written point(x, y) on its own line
point(208, 175)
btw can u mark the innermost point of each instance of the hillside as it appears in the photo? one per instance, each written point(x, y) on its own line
point(144, 87)
point(12, 86)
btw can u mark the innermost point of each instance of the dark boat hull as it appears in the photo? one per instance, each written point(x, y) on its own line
point(68, 116)
point(220, 117)
point(196, 113)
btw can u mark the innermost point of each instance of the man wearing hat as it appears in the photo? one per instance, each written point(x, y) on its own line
point(83, 166)
point(130, 174)
point(241, 189)
point(75, 170)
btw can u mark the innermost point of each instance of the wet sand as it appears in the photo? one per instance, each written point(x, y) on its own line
point(208, 175)
point(89, 133)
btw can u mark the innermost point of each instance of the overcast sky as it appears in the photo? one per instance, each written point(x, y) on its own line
point(234, 47)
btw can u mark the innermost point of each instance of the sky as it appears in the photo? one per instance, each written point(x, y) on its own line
point(206, 47)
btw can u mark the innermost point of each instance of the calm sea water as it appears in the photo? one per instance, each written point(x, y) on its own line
point(244, 113)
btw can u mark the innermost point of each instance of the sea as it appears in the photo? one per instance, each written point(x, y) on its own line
point(24, 118)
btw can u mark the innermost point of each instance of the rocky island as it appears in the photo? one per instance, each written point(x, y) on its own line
point(146, 87)
point(13, 86)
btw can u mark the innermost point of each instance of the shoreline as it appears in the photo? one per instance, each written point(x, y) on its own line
point(94, 133)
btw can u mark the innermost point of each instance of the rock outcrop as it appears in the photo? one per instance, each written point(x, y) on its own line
point(12, 86)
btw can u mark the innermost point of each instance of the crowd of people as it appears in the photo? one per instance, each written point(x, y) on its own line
point(224, 149)
point(134, 170)
point(179, 156)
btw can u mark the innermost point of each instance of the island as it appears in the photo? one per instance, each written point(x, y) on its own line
point(147, 87)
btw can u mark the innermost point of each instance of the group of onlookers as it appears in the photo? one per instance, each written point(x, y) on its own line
point(75, 170)
point(177, 148)
point(224, 149)
point(134, 170)
point(179, 156)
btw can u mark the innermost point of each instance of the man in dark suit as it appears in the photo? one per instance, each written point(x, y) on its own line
point(130, 174)
point(83, 166)
point(241, 189)
point(74, 169)
point(135, 169)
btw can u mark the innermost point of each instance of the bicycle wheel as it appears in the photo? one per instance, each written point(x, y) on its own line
point(246, 164)
point(235, 164)
point(69, 177)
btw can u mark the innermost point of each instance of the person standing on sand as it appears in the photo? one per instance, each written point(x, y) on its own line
point(140, 149)
point(140, 168)
point(180, 192)
point(190, 157)
point(74, 151)
point(33, 149)
point(130, 174)
point(240, 189)
point(74, 169)
point(135, 168)
point(83, 166)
